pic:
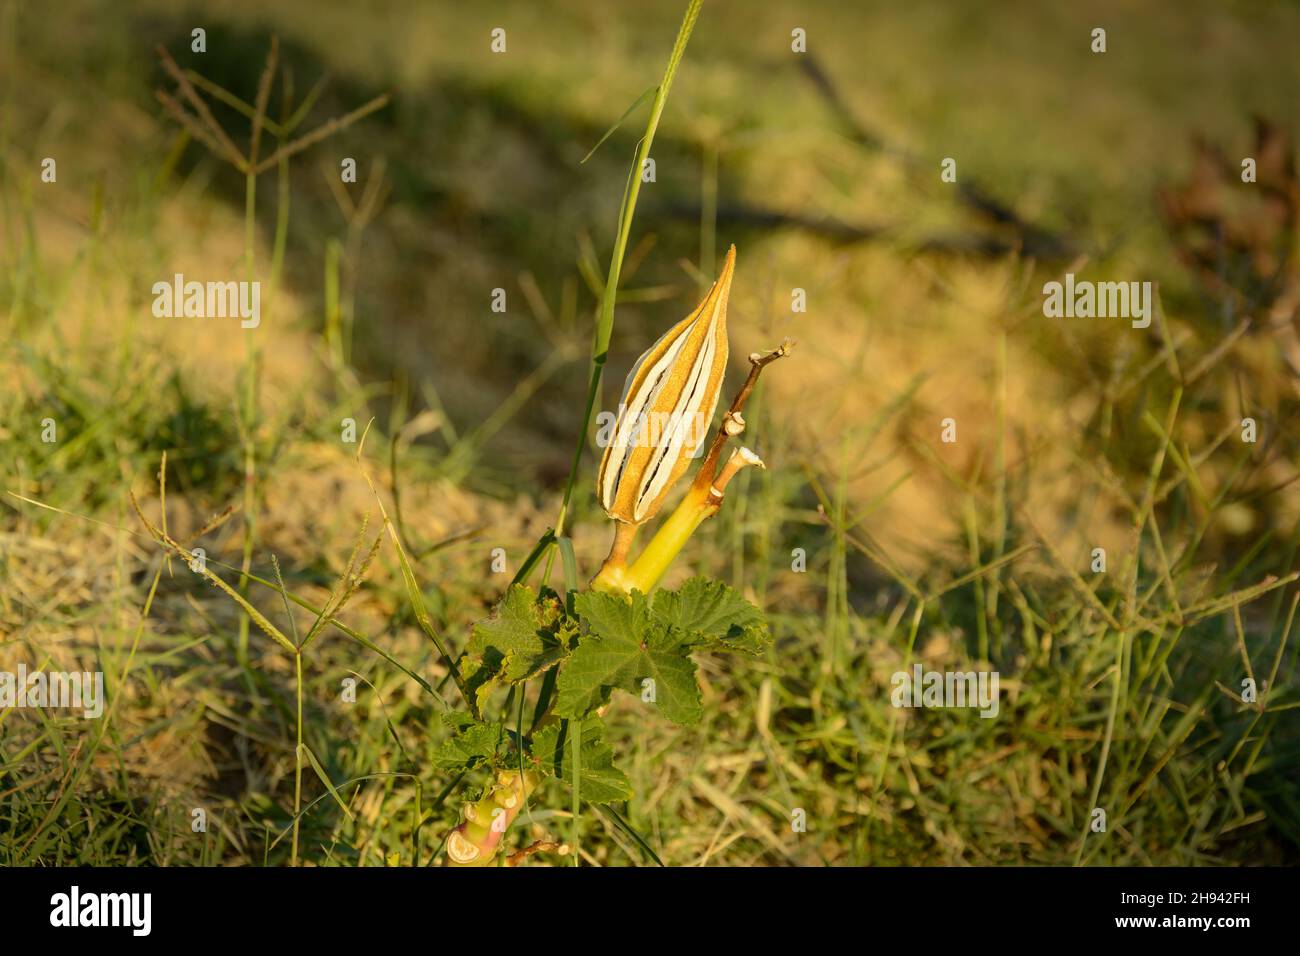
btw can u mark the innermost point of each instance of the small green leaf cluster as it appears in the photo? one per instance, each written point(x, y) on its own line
point(599, 643)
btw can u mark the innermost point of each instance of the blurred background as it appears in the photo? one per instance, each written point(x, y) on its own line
point(923, 303)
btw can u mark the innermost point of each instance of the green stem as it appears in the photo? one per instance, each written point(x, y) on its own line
point(333, 336)
point(701, 501)
point(605, 322)
point(478, 839)
point(644, 573)
point(281, 229)
point(297, 758)
point(247, 412)
point(575, 728)
point(614, 570)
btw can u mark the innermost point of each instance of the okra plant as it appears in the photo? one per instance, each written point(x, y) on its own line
point(620, 633)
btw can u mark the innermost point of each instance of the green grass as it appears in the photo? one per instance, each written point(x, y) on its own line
point(1117, 689)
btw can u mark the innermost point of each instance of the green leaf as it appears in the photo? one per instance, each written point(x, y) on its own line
point(480, 682)
point(716, 616)
point(324, 777)
point(624, 647)
point(613, 816)
point(523, 637)
point(472, 742)
point(600, 781)
point(619, 122)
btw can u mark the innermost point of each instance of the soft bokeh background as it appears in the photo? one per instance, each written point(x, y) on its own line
point(923, 303)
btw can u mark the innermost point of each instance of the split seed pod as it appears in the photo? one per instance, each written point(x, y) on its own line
point(668, 402)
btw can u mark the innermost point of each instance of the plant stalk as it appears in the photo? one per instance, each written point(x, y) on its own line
point(297, 758)
point(478, 838)
point(605, 321)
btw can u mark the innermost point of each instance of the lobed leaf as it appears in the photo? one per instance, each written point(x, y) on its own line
point(624, 647)
point(473, 742)
point(599, 779)
point(524, 636)
point(716, 615)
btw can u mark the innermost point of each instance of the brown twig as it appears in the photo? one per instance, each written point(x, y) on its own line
point(209, 132)
point(541, 846)
point(263, 94)
point(223, 95)
point(321, 132)
point(201, 108)
point(215, 522)
point(192, 126)
point(733, 422)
